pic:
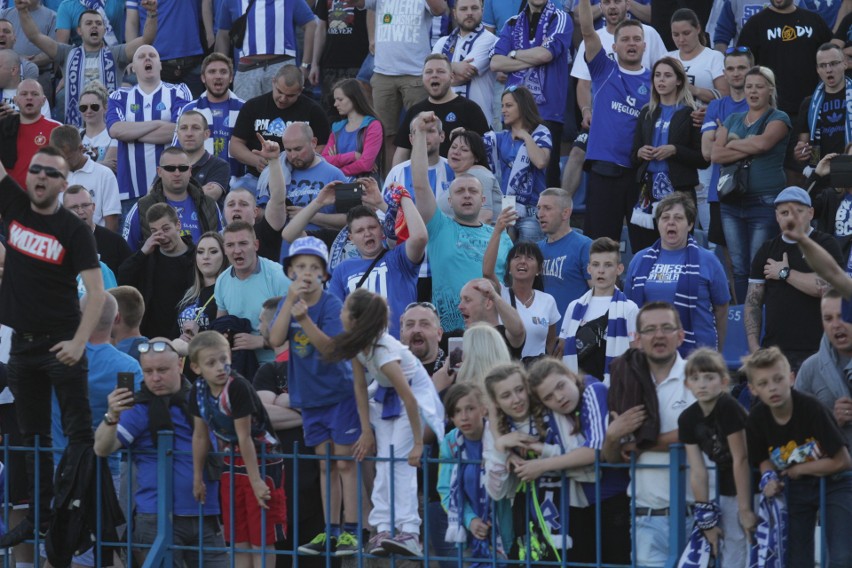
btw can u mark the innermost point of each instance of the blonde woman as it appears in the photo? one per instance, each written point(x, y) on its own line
point(484, 348)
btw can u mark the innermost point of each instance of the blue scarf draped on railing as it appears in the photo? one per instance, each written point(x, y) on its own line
point(770, 548)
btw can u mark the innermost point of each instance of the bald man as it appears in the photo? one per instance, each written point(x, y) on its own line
point(13, 70)
point(29, 126)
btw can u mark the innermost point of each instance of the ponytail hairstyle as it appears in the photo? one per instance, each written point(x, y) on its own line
point(547, 366)
point(499, 374)
point(370, 314)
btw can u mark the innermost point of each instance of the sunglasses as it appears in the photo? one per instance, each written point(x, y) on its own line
point(94, 106)
point(155, 346)
point(427, 305)
point(49, 171)
point(737, 49)
point(171, 169)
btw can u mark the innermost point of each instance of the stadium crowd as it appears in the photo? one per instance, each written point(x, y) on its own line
point(503, 233)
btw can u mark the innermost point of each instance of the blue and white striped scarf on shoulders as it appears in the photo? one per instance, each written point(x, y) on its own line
point(686, 293)
point(617, 338)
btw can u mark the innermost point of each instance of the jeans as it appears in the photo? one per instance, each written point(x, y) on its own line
point(35, 372)
point(187, 532)
point(652, 540)
point(747, 224)
point(802, 507)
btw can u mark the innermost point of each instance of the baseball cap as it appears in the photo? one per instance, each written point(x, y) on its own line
point(793, 194)
point(307, 245)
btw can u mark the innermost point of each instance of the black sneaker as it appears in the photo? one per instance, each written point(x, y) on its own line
point(345, 545)
point(317, 545)
point(23, 531)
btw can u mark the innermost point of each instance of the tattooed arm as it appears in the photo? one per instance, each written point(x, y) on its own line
point(754, 315)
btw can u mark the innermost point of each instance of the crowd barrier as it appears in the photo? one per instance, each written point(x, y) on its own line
point(161, 551)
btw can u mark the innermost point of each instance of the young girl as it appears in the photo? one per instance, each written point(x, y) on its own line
point(715, 425)
point(462, 485)
point(579, 410)
point(398, 376)
point(355, 143)
point(517, 432)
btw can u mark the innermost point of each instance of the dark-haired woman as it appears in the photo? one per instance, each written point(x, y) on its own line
point(523, 288)
point(404, 403)
point(467, 155)
point(355, 143)
point(521, 153)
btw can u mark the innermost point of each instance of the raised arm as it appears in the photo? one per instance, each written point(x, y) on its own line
point(294, 229)
point(489, 259)
point(587, 28)
point(418, 238)
point(424, 197)
point(149, 32)
point(818, 258)
point(276, 208)
point(45, 43)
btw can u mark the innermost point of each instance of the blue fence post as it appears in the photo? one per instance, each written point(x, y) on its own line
point(161, 550)
point(677, 503)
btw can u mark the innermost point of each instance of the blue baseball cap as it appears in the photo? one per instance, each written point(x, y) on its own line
point(794, 194)
point(310, 246)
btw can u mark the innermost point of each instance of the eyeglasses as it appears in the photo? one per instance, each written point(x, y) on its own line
point(182, 168)
point(665, 330)
point(81, 207)
point(427, 305)
point(49, 171)
point(94, 106)
point(737, 49)
point(155, 346)
point(829, 65)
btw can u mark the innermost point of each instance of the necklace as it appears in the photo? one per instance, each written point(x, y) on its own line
point(750, 123)
point(529, 301)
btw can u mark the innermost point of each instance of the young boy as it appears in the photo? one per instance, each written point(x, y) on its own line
point(225, 402)
point(792, 435)
point(714, 425)
point(599, 325)
point(324, 391)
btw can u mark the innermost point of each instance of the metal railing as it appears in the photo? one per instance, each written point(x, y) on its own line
point(160, 552)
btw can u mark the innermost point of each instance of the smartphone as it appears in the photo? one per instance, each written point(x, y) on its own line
point(454, 348)
point(509, 201)
point(229, 335)
point(347, 196)
point(126, 381)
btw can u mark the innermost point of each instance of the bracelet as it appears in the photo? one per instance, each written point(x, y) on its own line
point(306, 65)
point(585, 108)
point(108, 419)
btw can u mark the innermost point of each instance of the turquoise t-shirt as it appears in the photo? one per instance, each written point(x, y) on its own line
point(766, 175)
point(455, 255)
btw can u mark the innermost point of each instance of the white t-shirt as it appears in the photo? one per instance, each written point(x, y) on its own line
point(703, 68)
point(102, 185)
point(537, 319)
point(97, 146)
point(654, 49)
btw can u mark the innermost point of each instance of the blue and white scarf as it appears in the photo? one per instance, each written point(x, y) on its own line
point(816, 107)
point(449, 50)
point(770, 547)
point(533, 78)
point(698, 553)
point(99, 6)
point(479, 500)
point(617, 338)
point(686, 295)
point(75, 78)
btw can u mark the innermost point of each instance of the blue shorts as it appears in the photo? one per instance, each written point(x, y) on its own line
point(336, 422)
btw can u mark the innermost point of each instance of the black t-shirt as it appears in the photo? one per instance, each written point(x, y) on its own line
point(711, 433)
point(242, 401)
point(270, 240)
point(591, 346)
point(793, 319)
point(346, 42)
point(831, 128)
point(112, 249)
point(273, 377)
point(44, 255)
point(459, 112)
point(262, 115)
point(787, 44)
point(810, 432)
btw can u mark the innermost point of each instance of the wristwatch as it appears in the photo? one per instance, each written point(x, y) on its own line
point(513, 53)
point(306, 65)
point(109, 421)
point(784, 273)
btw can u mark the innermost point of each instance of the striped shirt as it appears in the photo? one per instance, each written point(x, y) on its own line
point(137, 162)
point(221, 118)
point(269, 26)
